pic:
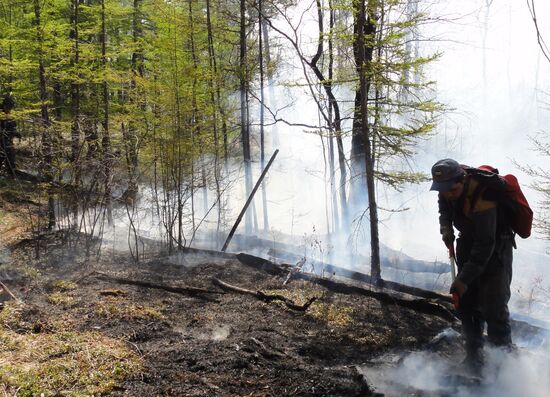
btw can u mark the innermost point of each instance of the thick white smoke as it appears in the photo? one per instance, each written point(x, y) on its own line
point(525, 372)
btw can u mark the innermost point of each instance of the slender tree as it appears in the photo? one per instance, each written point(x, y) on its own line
point(243, 92)
point(363, 53)
point(106, 138)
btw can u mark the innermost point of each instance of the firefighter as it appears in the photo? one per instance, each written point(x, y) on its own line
point(8, 129)
point(484, 257)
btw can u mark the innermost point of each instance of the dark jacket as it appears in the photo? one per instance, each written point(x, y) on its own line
point(485, 232)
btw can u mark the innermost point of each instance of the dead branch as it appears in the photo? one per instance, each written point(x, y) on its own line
point(263, 296)
point(9, 292)
point(540, 39)
point(178, 290)
point(297, 268)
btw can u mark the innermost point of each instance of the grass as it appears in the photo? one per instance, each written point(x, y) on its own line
point(22, 268)
point(115, 307)
point(64, 285)
point(62, 294)
point(54, 360)
point(61, 363)
point(61, 299)
point(334, 315)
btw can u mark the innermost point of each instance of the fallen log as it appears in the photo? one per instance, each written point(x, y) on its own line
point(178, 290)
point(263, 296)
point(272, 268)
point(250, 197)
point(422, 305)
point(390, 292)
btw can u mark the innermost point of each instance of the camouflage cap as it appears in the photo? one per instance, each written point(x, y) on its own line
point(445, 173)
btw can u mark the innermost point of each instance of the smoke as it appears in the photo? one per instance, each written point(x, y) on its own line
point(6, 270)
point(490, 74)
point(4, 255)
point(220, 332)
point(525, 372)
point(191, 260)
point(216, 333)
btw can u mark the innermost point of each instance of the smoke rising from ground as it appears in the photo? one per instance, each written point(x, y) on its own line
point(525, 372)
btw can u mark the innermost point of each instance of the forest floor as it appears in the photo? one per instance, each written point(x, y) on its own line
point(77, 329)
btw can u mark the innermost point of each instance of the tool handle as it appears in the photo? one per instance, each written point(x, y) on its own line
point(452, 259)
point(456, 300)
point(451, 248)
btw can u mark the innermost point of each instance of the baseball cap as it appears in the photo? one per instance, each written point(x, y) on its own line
point(444, 174)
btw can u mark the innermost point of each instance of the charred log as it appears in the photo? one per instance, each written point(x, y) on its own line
point(178, 290)
point(272, 268)
point(391, 293)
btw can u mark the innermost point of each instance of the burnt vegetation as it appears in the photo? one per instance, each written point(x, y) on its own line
point(140, 123)
point(178, 333)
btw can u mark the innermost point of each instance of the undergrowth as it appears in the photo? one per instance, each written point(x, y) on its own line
point(62, 362)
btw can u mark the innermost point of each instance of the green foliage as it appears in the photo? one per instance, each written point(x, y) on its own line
point(401, 101)
point(156, 66)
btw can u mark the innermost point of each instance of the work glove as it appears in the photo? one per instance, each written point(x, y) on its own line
point(447, 234)
point(458, 287)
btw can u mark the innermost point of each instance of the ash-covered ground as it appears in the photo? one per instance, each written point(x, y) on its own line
point(72, 325)
point(215, 343)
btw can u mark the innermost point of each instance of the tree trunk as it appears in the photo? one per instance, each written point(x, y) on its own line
point(363, 57)
point(75, 90)
point(195, 131)
point(106, 139)
point(359, 189)
point(337, 125)
point(216, 105)
point(131, 141)
point(332, 169)
point(243, 87)
point(270, 80)
point(262, 140)
point(47, 148)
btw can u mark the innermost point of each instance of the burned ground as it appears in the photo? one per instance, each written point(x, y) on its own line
point(77, 330)
point(210, 344)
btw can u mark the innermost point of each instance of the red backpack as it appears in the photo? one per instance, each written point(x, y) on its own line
point(506, 190)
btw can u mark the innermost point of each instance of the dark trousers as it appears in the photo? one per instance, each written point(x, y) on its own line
point(486, 301)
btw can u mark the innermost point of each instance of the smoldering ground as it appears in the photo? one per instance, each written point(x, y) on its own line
point(523, 372)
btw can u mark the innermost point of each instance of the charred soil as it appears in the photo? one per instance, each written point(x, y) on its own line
point(120, 339)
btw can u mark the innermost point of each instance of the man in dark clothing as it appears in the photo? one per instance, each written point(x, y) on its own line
point(484, 256)
point(8, 129)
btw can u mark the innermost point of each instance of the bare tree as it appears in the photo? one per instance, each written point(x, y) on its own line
point(334, 123)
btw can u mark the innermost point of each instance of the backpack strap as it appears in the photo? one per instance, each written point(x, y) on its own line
point(474, 197)
point(478, 190)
